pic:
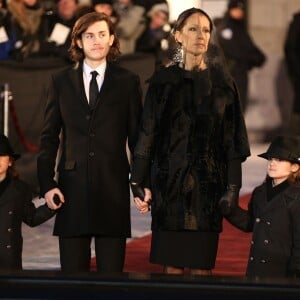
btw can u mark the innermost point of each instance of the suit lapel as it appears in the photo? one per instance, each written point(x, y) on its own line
point(107, 86)
point(76, 77)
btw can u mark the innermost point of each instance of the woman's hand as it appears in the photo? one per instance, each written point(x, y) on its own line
point(143, 205)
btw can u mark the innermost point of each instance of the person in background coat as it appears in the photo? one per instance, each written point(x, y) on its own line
point(25, 27)
point(93, 167)
point(292, 59)
point(240, 51)
point(56, 29)
point(273, 214)
point(131, 24)
point(16, 207)
point(6, 42)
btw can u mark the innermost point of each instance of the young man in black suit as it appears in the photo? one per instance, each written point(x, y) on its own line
point(90, 129)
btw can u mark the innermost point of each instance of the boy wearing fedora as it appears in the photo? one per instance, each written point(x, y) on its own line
point(16, 206)
point(273, 214)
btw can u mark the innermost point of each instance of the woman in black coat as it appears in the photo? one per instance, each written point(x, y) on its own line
point(193, 138)
point(16, 206)
point(273, 214)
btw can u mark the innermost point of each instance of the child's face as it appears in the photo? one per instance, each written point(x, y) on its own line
point(279, 170)
point(5, 163)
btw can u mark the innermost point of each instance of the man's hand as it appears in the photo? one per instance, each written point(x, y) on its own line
point(54, 199)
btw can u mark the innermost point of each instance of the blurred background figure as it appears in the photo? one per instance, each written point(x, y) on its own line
point(5, 42)
point(131, 24)
point(106, 7)
point(240, 51)
point(148, 4)
point(292, 59)
point(154, 38)
point(24, 31)
point(57, 28)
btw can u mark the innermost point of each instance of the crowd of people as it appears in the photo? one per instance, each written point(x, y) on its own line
point(32, 28)
point(188, 141)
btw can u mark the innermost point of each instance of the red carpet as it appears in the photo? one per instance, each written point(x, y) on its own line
point(231, 258)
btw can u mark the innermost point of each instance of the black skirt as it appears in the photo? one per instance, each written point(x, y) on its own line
point(191, 249)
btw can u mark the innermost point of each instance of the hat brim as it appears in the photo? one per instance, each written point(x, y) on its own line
point(267, 155)
point(15, 156)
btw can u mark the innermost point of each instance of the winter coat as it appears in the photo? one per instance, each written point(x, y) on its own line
point(6, 42)
point(25, 22)
point(192, 126)
point(240, 52)
point(16, 206)
point(292, 59)
point(93, 167)
point(275, 245)
point(292, 48)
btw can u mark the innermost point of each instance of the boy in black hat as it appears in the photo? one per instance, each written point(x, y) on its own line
point(16, 206)
point(273, 213)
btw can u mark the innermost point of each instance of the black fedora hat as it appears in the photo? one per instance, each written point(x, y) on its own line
point(6, 149)
point(285, 148)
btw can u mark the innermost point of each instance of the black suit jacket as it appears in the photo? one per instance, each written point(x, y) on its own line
point(93, 168)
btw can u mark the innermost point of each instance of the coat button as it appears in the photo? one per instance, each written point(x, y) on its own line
point(266, 242)
point(252, 242)
point(263, 261)
point(268, 223)
point(10, 212)
point(257, 220)
point(8, 246)
point(251, 258)
point(91, 154)
point(9, 230)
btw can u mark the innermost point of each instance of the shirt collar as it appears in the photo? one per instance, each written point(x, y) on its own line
point(100, 69)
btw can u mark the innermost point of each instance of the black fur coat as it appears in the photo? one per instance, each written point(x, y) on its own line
point(192, 126)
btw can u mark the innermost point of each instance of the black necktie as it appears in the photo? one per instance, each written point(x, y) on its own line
point(93, 89)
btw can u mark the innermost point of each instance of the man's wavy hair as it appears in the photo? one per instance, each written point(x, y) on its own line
point(81, 25)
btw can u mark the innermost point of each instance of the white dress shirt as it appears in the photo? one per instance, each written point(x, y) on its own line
point(87, 76)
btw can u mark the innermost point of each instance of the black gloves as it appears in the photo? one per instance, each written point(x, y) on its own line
point(137, 190)
point(230, 199)
point(139, 177)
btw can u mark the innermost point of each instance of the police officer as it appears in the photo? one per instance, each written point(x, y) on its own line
point(292, 58)
point(240, 52)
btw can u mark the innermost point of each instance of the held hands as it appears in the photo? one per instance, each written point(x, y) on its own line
point(142, 197)
point(230, 199)
point(54, 199)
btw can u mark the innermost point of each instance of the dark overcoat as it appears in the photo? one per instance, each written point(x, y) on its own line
point(275, 245)
point(16, 206)
point(240, 51)
point(93, 168)
point(292, 58)
point(192, 126)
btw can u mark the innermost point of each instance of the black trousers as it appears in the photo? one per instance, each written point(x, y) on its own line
point(75, 254)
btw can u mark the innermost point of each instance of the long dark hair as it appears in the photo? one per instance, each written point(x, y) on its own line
point(294, 178)
point(12, 171)
point(81, 25)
